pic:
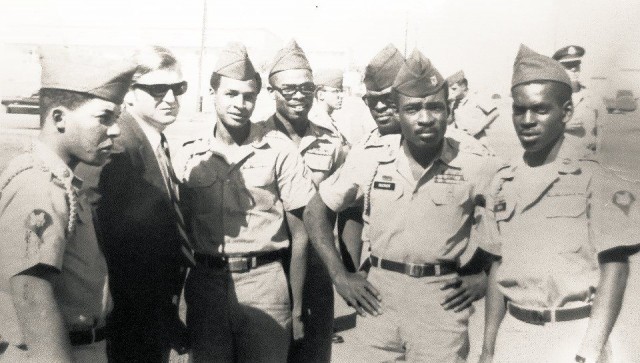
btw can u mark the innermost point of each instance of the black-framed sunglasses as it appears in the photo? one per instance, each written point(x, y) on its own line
point(161, 89)
point(288, 90)
point(372, 101)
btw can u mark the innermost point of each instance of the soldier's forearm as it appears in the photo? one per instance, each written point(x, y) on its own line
point(39, 315)
point(298, 263)
point(319, 220)
point(606, 307)
point(494, 311)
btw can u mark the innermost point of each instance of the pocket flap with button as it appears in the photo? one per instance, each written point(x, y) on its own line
point(565, 206)
point(449, 193)
point(258, 175)
point(318, 160)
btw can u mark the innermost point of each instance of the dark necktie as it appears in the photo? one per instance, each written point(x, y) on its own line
point(171, 182)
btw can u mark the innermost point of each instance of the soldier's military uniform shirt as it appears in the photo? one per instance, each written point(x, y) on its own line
point(423, 221)
point(549, 223)
point(473, 117)
point(236, 197)
point(323, 150)
point(43, 220)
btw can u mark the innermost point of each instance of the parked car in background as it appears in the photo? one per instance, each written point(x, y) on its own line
point(24, 105)
point(623, 102)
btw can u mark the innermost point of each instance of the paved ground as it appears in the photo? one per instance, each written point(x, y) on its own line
point(620, 147)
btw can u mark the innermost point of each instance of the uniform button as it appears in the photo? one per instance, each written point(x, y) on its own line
point(66, 174)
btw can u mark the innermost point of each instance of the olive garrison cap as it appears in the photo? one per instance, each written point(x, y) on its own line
point(383, 68)
point(289, 57)
point(84, 71)
point(418, 77)
point(233, 62)
point(456, 77)
point(569, 54)
point(530, 66)
point(328, 77)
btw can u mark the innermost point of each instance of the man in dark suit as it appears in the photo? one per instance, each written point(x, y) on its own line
point(139, 221)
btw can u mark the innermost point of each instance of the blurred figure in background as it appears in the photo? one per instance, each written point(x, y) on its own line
point(582, 130)
point(467, 112)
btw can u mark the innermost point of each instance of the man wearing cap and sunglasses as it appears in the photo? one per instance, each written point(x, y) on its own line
point(140, 221)
point(54, 296)
point(292, 86)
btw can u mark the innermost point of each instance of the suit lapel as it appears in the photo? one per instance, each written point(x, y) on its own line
point(144, 154)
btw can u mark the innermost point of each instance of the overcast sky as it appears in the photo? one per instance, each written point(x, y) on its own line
point(480, 36)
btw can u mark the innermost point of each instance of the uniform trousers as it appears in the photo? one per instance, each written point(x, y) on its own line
point(238, 317)
point(317, 314)
point(520, 342)
point(413, 322)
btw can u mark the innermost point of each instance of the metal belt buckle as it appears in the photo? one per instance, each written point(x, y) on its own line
point(537, 317)
point(238, 264)
point(414, 270)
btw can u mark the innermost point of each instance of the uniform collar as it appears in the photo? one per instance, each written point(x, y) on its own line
point(447, 154)
point(255, 140)
point(55, 164)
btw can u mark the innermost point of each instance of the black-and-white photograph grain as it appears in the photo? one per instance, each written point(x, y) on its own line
point(331, 181)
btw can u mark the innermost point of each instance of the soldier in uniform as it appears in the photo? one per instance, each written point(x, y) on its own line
point(581, 131)
point(562, 229)
point(244, 193)
point(329, 95)
point(323, 151)
point(420, 196)
point(467, 114)
point(53, 277)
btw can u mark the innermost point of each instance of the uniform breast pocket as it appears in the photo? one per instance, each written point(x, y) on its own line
point(202, 195)
point(318, 161)
point(565, 206)
point(567, 218)
point(444, 194)
point(259, 181)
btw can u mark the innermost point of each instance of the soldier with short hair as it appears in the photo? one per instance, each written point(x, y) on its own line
point(421, 190)
point(561, 228)
point(54, 296)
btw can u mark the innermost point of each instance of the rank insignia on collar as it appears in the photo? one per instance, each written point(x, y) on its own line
point(623, 199)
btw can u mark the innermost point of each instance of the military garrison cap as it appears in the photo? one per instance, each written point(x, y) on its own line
point(289, 57)
point(234, 63)
point(383, 68)
point(84, 71)
point(456, 77)
point(418, 77)
point(569, 54)
point(328, 77)
point(530, 66)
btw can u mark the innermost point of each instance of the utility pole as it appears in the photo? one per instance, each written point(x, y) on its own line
point(202, 42)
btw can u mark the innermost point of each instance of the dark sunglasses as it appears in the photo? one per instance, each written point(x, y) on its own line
point(289, 90)
point(372, 101)
point(160, 90)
